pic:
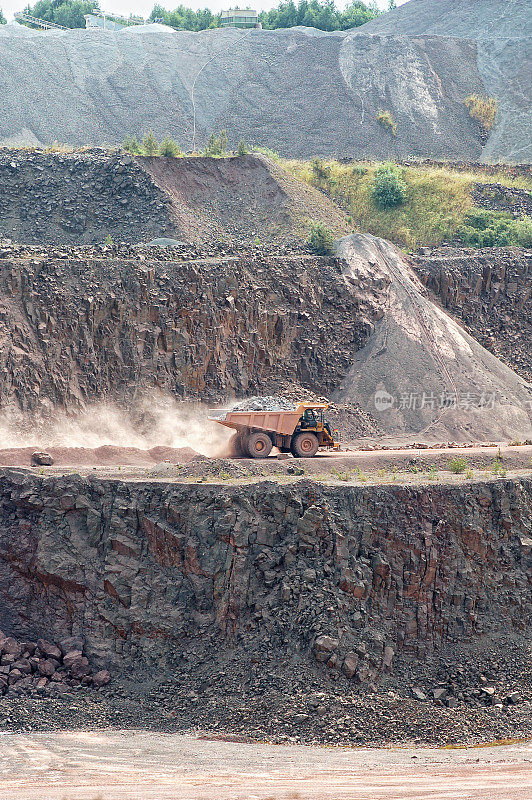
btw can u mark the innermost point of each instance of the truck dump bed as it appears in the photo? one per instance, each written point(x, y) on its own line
point(283, 422)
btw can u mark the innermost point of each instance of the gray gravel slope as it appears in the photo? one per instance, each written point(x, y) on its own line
point(299, 91)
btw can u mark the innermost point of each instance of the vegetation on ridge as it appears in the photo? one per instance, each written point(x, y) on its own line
point(321, 14)
point(417, 204)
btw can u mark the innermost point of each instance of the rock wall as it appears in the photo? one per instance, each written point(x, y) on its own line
point(490, 292)
point(351, 577)
point(84, 324)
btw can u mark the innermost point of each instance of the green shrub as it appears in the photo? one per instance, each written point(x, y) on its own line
point(320, 170)
point(150, 145)
point(266, 151)
point(242, 149)
point(385, 119)
point(483, 109)
point(389, 189)
point(320, 239)
point(169, 148)
point(216, 145)
point(483, 228)
point(131, 145)
point(457, 465)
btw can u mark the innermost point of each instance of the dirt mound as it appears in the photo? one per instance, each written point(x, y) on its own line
point(243, 198)
point(503, 31)
point(92, 197)
point(419, 371)
point(298, 91)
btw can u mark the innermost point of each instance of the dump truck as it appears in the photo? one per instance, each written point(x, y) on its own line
point(302, 431)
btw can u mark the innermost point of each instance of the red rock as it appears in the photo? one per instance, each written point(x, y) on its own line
point(11, 647)
point(47, 667)
point(80, 667)
point(48, 649)
point(70, 657)
point(350, 664)
point(14, 676)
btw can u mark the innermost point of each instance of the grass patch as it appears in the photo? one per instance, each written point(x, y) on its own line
point(483, 109)
point(435, 204)
point(385, 119)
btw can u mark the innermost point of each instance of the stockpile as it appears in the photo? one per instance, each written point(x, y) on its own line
point(46, 668)
point(146, 78)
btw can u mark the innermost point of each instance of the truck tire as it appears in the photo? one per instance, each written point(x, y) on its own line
point(258, 445)
point(236, 446)
point(304, 445)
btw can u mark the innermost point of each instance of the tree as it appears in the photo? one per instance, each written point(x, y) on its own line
point(242, 149)
point(169, 148)
point(70, 13)
point(2, 18)
point(150, 145)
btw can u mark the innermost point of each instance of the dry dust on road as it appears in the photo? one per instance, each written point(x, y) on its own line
point(153, 766)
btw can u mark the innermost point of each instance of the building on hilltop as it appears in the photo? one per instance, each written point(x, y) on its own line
point(239, 18)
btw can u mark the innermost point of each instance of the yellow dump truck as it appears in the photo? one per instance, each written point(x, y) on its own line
point(302, 431)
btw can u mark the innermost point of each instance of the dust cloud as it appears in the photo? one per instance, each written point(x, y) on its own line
point(154, 421)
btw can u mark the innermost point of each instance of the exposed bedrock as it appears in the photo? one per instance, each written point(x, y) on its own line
point(490, 292)
point(352, 577)
point(81, 324)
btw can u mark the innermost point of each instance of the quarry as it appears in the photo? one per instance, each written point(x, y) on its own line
point(163, 575)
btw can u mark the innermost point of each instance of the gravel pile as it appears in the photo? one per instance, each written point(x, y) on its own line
point(270, 403)
point(264, 86)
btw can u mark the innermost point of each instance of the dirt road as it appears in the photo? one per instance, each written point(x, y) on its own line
point(152, 766)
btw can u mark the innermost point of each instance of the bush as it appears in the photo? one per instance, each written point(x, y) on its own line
point(169, 148)
point(242, 149)
point(483, 109)
point(389, 189)
point(320, 239)
point(385, 119)
point(457, 465)
point(150, 145)
point(320, 170)
point(483, 228)
point(131, 145)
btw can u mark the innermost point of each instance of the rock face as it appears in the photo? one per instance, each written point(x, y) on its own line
point(79, 325)
point(83, 324)
point(354, 578)
point(490, 292)
point(299, 91)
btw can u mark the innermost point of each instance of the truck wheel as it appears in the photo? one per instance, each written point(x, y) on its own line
point(236, 446)
point(304, 445)
point(258, 445)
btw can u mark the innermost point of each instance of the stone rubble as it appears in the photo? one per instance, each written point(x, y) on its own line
point(45, 668)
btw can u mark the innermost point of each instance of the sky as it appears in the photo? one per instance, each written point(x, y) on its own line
point(143, 7)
